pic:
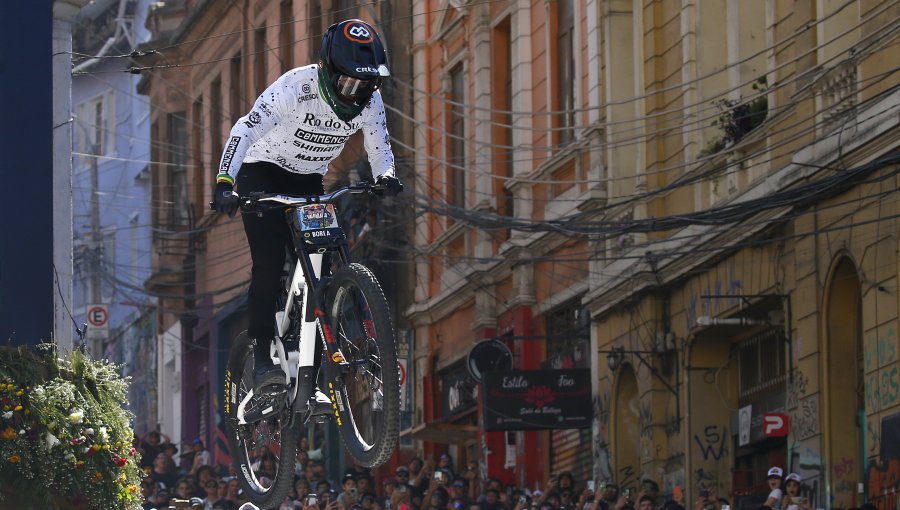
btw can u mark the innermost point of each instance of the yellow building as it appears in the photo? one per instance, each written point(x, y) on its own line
point(713, 184)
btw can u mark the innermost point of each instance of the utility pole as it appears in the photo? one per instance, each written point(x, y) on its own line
point(96, 243)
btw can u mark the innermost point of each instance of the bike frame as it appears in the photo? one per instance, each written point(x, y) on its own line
point(306, 281)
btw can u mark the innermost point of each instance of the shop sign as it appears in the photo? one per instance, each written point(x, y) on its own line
point(537, 399)
point(776, 424)
point(458, 390)
point(756, 411)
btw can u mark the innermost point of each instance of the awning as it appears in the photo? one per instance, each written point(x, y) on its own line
point(444, 433)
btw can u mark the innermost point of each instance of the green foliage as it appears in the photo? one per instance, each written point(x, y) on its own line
point(737, 118)
point(63, 428)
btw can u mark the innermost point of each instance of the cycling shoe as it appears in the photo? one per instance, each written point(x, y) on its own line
point(268, 379)
point(320, 403)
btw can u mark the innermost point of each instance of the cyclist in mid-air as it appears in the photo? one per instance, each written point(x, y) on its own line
point(296, 128)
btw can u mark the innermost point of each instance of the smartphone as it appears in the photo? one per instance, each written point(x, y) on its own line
point(626, 493)
point(353, 493)
point(402, 488)
point(523, 500)
point(590, 485)
point(437, 476)
point(312, 499)
point(797, 500)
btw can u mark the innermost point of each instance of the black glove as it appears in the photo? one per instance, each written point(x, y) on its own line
point(225, 200)
point(392, 185)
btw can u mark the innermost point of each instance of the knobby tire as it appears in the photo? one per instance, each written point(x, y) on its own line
point(350, 287)
point(239, 361)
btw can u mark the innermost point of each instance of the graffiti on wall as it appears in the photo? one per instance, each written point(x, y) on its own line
point(698, 305)
point(628, 478)
point(797, 388)
point(805, 418)
point(882, 389)
point(873, 436)
point(880, 350)
point(602, 468)
point(883, 477)
point(883, 473)
point(645, 419)
point(712, 443)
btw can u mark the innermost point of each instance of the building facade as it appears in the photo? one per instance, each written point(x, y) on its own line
point(111, 197)
point(215, 59)
point(709, 189)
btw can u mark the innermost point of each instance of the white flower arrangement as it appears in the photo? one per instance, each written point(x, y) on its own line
point(66, 432)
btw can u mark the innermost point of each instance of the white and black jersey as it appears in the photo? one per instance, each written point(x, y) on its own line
point(291, 126)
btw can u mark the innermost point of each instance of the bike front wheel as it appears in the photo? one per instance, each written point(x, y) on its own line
point(365, 392)
point(262, 451)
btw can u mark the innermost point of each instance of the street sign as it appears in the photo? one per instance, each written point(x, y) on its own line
point(776, 424)
point(97, 322)
point(403, 363)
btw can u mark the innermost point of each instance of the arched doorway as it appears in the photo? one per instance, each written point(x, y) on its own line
point(626, 434)
point(846, 401)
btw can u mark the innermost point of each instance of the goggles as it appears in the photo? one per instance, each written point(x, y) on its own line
point(351, 89)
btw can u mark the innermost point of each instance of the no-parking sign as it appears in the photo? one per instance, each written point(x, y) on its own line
point(97, 317)
point(403, 390)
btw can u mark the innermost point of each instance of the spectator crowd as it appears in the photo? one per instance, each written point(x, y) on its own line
point(420, 485)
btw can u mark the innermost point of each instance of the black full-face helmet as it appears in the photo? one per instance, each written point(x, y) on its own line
point(352, 62)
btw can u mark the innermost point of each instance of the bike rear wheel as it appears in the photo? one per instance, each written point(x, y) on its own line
point(264, 488)
point(366, 395)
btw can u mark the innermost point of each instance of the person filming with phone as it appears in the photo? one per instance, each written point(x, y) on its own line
point(792, 499)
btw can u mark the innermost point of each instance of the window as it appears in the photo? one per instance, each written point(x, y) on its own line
point(95, 131)
point(259, 59)
point(177, 171)
point(344, 9)
point(761, 361)
point(216, 117)
point(155, 191)
point(456, 150)
point(197, 132)
point(286, 34)
point(97, 138)
point(565, 58)
point(501, 98)
point(235, 92)
point(315, 27)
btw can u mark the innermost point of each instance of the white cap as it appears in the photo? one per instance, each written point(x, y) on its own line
point(776, 471)
point(793, 476)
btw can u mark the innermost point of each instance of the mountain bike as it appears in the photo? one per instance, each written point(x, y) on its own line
point(334, 331)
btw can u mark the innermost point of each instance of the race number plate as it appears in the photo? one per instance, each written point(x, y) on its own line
point(316, 217)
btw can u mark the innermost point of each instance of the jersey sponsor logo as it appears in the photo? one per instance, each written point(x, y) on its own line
point(307, 97)
point(283, 162)
point(229, 153)
point(366, 70)
point(264, 106)
point(316, 148)
point(304, 157)
point(253, 119)
point(306, 88)
point(332, 124)
point(320, 138)
point(358, 32)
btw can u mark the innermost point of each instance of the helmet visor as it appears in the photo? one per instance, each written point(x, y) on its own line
point(353, 90)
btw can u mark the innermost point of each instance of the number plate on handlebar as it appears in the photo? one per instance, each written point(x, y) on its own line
point(316, 217)
point(316, 224)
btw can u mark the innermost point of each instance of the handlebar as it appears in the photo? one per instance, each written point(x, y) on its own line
point(258, 200)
